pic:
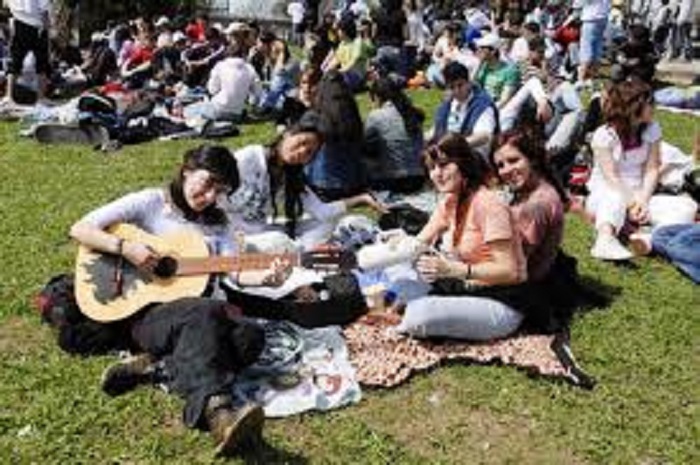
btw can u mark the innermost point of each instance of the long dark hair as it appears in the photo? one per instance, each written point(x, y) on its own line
point(386, 90)
point(219, 162)
point(291, 176)
point(625, 102)
point(529, 139)
point(338, 109)
point(454, 148)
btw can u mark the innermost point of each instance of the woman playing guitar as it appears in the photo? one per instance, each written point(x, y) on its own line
point(198, 343)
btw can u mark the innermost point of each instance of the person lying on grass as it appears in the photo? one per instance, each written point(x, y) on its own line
point(200, 344)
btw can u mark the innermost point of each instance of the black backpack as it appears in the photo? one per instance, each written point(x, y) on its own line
point(76, 333)
point(406, 217)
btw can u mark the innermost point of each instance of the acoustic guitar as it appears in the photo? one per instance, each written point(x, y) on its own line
point(109, 288)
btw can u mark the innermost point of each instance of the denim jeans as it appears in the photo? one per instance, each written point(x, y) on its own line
point(680, 243)
point(280, 84)
point(681, 40)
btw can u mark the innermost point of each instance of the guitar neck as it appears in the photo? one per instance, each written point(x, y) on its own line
point(223, 264)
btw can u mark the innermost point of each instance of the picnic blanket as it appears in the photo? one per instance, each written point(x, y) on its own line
point(299, 370)
point(383, 358)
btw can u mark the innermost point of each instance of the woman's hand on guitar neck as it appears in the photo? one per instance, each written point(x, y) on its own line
point(140, 255)
point(276, 275)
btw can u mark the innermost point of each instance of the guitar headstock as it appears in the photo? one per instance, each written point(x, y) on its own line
point(328, 258)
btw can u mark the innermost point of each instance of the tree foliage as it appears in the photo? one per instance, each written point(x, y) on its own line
point(94, 14)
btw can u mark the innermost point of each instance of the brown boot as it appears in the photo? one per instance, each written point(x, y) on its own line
point(126, 374)
point(232, 427)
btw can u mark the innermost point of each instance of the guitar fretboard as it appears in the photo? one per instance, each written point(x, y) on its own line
point(222, 264)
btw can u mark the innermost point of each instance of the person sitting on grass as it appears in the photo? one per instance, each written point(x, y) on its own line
point(469, 111)
point(137, 67)
point(553, 291)
point(500, 79)
point(350, 57)
point(279, 166)
point(294, 106)
point(283, 69)
point(232, 82)
point(337, 171)
point(480, 246)
point(538, 199)
point(197, 340)
point(625, 174)
point(393, 140)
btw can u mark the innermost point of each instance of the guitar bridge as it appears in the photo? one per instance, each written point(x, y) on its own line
point(119, 277)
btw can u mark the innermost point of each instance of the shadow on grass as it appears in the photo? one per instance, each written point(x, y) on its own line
point(266, 453)
point(597, 295)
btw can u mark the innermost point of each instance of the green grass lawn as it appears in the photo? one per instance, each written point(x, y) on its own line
point(643, 350)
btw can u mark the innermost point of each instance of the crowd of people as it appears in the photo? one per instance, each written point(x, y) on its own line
point(499, 155)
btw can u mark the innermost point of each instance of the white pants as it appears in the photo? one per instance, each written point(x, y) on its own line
point(459, 317)
point(609, 207)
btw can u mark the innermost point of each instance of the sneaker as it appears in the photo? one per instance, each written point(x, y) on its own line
point(127, 374)
point(608, 247)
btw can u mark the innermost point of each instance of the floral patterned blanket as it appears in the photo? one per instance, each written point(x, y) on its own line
point(384, 358)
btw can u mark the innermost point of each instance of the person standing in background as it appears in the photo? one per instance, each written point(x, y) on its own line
point(681, 42)
point(30, 33)
point(297, 12)
point(594, 20)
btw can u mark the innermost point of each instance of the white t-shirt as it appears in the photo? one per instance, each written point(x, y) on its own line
point(29, 11)
point(685, 11)
point(150, 210)
point(485, 124)
point(593, 10)
point(520, 51)
point(628, 163)
point(296, 11)
point(231, 82)
point(416, 29)
point(250, 209)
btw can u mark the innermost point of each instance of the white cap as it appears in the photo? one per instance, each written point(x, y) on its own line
point(162, 21)
point(489, 40)
point(178, 36)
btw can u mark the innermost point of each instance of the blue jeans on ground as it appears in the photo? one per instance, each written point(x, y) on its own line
point(680, 243)
point(280, 84)
point(592, 40)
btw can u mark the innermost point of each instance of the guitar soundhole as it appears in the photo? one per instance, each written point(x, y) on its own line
point(166, 267)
